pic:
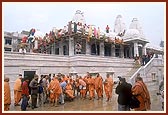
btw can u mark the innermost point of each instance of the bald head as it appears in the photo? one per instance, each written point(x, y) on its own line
point(6, 79)
point(138, 78)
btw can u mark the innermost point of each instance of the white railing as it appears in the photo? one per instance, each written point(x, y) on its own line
point(143, 69)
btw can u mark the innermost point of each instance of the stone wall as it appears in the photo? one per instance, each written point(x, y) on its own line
point(15, 63)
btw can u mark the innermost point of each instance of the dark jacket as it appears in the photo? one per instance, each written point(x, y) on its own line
point(124, 93)
point(34, 87)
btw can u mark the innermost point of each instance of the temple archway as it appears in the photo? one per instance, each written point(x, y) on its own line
point(107, 50)
point(95, 49)
point(65, 50)
point(117, 50)
point(127, 52)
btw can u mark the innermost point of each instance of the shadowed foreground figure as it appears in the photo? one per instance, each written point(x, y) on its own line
point(123, 90)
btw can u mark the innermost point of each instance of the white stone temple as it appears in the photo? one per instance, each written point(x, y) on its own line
point(111, 53)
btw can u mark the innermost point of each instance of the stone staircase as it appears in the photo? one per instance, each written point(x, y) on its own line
point(131, 72)
point(151, 73)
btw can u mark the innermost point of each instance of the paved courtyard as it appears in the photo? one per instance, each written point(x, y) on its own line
point(91, 105)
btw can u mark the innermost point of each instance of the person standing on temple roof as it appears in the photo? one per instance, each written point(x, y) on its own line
point(84, 29)
point(7, 95)
point(98, 33)
point(75, 27)
point(107, 29)
point(95, 32)
point(90, 32)
point(70, 27)
point(18, 90)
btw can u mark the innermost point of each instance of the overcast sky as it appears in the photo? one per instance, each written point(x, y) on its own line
point(45, 16)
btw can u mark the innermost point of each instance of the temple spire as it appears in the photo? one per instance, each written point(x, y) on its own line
point(119, 26)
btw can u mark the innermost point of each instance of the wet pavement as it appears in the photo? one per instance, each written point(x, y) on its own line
point(79, 104)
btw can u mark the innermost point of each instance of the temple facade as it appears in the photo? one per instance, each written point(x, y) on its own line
point(79, 48)
point(120, 42)
point(77, 37)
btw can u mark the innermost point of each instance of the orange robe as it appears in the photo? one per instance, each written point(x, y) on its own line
point(55, 90)
point(17, 90)
point(50, 89)
point(111, 84)
point(83, 90)
point(91, 87)
point(87, 85)
point(99, 86)
point(69, 91)
point(142, 94)
point(106, 89)
point(7, 96)
point(65, 78)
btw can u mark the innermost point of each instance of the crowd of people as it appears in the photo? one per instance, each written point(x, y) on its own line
point(144, 59)
point(60, 88)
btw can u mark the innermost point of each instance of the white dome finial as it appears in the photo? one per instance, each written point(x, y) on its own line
point(119, 26)
point(136, 25)
point(79, 17)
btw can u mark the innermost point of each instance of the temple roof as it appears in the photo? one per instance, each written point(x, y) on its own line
point(135, 32)
point(136, 25)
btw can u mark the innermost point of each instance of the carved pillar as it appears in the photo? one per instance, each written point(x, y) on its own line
point(144, 49)
point(130, 52)
point(112, 50)
point(60, 48)
point(101, 48)
point(136, 49)
point(88, 48)
point(122, 51)
point(71, 46)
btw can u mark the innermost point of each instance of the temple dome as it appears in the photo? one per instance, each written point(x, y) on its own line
point(132, 33)
point(136, 25)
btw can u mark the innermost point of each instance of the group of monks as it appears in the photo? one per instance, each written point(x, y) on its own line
point(83, 85)
point(88, 84)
